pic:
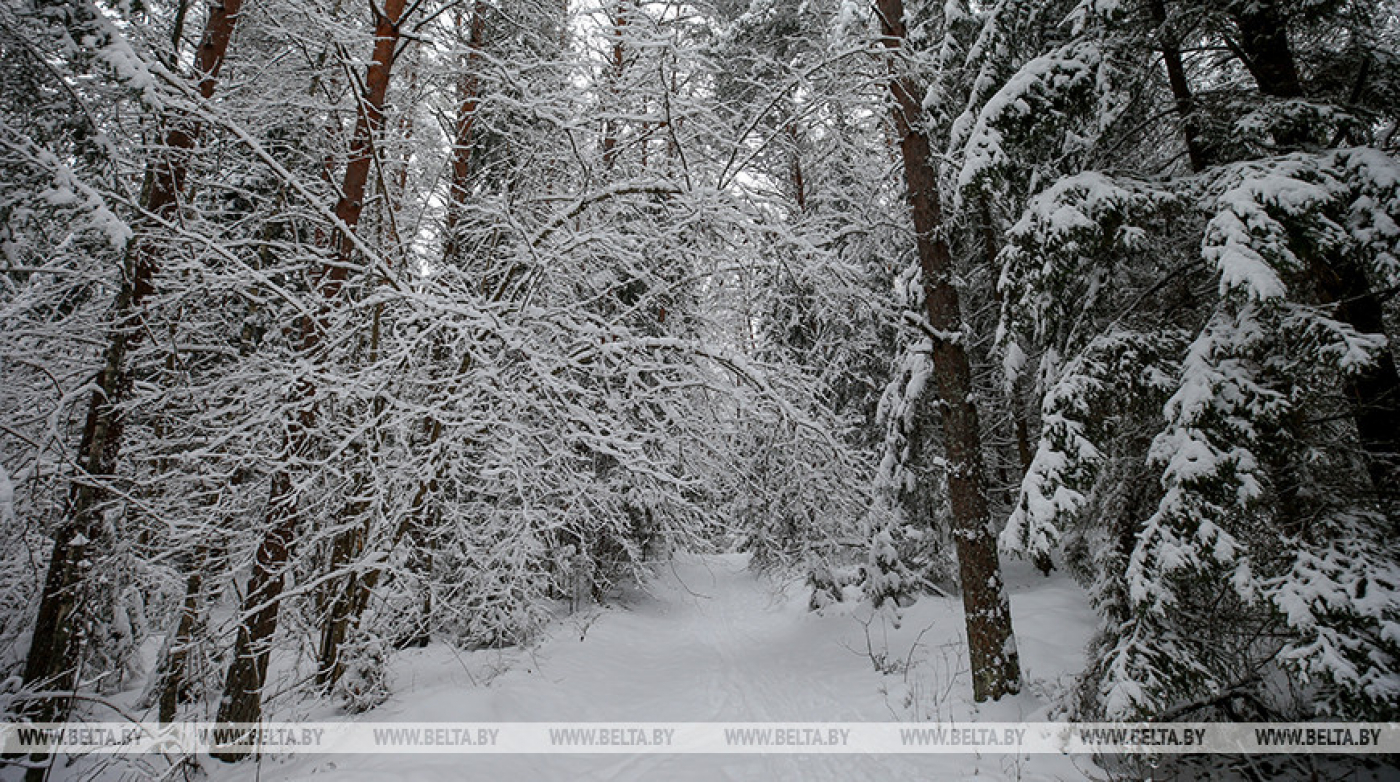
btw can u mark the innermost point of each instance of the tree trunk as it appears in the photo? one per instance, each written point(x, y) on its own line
point(242, 698)
point(1196, 149)
point(799, 182)
point(345, 609)
point(1374, 391)
point(1265, 50)
point(174, 674)
point(54, 650)
point(619, 66)
point(991, 644)
point(347, 548)
point(469, 95)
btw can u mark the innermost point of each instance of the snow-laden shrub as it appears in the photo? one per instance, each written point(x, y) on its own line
point(365, 682)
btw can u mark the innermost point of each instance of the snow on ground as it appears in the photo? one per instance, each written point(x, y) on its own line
point(709, 640)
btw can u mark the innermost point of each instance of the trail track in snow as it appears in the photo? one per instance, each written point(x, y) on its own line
point(710, 641)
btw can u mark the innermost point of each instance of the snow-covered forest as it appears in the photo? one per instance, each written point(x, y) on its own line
point(336, 333)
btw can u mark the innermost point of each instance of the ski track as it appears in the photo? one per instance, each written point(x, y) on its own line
point(708, 641)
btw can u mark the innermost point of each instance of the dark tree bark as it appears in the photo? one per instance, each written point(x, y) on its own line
point(342, 608)
point(991, 645)
point(1170, 47)
point(247, 673)
point(1263, 47)
point(799, 182)
point(1374, 392)
point(242, 697)
point(54, 651)
point(173, 677)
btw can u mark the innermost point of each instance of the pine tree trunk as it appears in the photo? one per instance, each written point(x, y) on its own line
point(344, 611)
point(991, 644)
point(54, 650)
point(242, 697)
point(469, 97)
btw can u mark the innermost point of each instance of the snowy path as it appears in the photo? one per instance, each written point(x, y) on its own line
point(710, 641)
